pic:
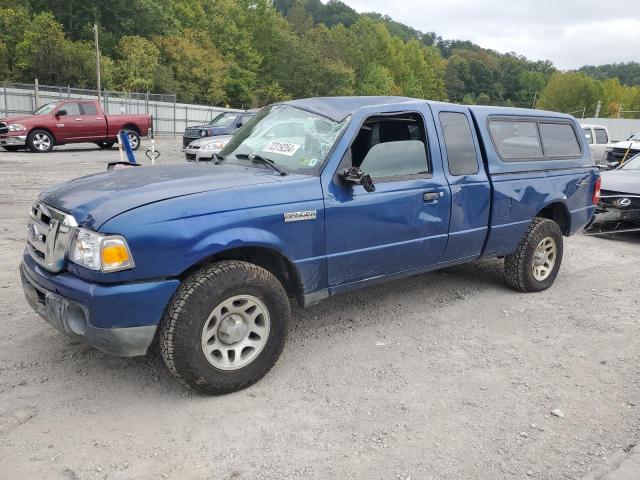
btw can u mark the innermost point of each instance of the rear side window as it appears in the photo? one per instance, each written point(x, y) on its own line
point(601, 136)
point(89, 108)
point(461, 151)
point(587, 133)
point(516, 140)
point(559, 140)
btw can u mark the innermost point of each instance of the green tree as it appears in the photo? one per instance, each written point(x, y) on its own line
point(377, 81)
point(570, 92)
point(136, 65)
point(197, 69)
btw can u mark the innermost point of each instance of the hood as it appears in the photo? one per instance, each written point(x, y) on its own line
point(216, 130)
point(635, 145)
point(19, 119)
point(94, 199)
point(201, 142)
point(620, 180)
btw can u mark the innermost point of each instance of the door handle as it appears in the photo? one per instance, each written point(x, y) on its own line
point(98, 118)
point(78, 119)
point(431, 196)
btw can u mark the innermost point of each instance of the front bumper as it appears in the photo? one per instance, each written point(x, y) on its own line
point(609, 219)
point(199, 154)
point(13, 140)
point(118, 319)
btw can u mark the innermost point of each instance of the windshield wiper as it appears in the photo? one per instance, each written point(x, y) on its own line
point(265, 161)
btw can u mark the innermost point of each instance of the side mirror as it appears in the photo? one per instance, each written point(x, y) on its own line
point(355, 176)
point(60, 113)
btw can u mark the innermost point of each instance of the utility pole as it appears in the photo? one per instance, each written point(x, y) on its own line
point(598, 107)
point(535, 97)
point(95, 31)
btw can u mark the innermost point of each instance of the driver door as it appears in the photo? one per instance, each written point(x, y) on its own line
point(71, 126)
point(402, 226)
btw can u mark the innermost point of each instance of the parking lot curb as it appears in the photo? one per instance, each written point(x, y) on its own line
point(620, 466)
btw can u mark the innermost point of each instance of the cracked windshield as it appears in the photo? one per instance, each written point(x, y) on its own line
point(296, 141)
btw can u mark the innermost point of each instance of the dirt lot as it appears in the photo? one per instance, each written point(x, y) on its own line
point(448, 375)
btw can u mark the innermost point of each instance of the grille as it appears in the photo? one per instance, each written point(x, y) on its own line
point(612, 199)
point(191, 157)
point(4, 128)
point(617, 154)
point(49, 233)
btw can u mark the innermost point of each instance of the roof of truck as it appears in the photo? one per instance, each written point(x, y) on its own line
point(338, 108)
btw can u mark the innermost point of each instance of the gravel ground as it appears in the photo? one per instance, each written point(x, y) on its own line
point(447, 375)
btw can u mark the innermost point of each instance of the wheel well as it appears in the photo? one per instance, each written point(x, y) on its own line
point(274, 262)
point(134, 128)
point(46, 130)
point(559, 214)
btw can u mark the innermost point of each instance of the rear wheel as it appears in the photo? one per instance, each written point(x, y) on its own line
point(40, 141)
point(225, 327)
point(134, 139)
point(535, 264)
point(105, 145)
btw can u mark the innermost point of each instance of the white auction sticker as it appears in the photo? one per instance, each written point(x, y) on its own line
point(281, 148)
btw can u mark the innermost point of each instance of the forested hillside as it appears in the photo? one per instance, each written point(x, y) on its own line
point(252, 52)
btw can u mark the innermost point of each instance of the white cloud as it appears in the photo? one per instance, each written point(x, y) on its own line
point(570, 33)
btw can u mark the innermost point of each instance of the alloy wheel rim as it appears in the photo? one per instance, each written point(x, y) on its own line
point(41, 141)
point(133, 140)
point(544, 258)
point(235, 332)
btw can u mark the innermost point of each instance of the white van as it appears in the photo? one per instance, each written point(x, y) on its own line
point(597, 137)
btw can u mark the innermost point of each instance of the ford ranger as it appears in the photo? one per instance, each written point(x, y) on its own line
point(70, 121)
point(310, 199)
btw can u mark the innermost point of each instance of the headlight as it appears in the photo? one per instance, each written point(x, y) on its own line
point(109, 253)
point(203, 133)
point(16, 127)
point(217, 145)
point(608, 149)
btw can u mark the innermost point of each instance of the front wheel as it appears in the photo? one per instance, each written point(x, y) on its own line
point(225, 327)
point(534, 266)
point(40, 141)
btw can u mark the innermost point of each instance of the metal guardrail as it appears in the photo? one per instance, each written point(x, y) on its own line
point(169, 117)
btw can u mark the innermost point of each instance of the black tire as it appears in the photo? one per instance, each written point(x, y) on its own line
point(182, 325)
point(134, 139)
point(105, 145)
point(519, 265)
point(40, 141)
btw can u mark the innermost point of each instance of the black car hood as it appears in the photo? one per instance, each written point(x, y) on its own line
point(621, 180)
point(215, 130)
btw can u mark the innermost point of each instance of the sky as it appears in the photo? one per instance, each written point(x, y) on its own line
point(570, 33)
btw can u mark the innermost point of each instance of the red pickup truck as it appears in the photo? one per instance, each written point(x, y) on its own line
point(70, 121)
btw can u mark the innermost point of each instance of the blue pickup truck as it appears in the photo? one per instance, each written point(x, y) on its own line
point(311, 198)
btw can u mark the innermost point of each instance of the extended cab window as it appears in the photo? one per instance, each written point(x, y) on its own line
point(559, 140)
point(601, 136)
point(587, 133)
point(89, 109)
point(516, 140)
point(458, 139)
point(391, 147)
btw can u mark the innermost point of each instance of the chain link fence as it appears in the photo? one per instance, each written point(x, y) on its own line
point(169, 117)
